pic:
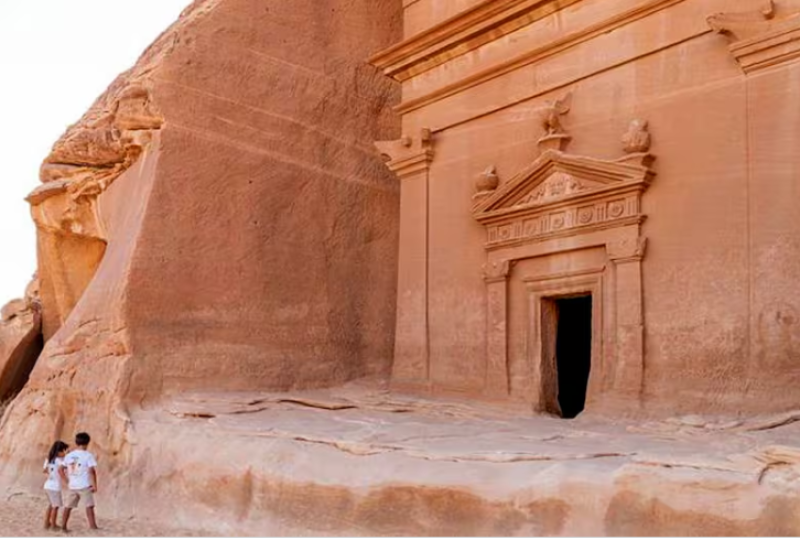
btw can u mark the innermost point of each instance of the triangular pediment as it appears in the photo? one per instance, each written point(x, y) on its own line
point(556, 177)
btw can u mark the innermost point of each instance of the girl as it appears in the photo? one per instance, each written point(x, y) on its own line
point(53, 468)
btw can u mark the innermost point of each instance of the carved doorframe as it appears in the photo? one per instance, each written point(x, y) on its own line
point(563, 203)
point(540, 343)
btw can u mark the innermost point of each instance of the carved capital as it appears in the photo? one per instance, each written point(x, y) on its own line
point(408, 155)
point(496, 271)
point(627, 249)
point(741, 25)
point(761, 38)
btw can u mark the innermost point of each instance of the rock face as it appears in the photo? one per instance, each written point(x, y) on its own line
point(219, 219)
point(221, 264)
point(20, 341)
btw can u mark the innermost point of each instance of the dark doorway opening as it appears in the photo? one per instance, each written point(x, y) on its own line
point(573, 353)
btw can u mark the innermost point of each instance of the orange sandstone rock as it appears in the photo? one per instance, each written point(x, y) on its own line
point(20, 341)
point(219, 219)
point(219, 245)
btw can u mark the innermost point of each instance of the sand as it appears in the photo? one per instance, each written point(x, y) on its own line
point(24, 516)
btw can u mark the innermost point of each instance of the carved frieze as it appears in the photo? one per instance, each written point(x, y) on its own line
point(558, 185)
point(566, 220)
point(760, 38)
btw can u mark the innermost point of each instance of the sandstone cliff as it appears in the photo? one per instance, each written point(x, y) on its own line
point(217, 264)
point(20, 341)
point(218, 220)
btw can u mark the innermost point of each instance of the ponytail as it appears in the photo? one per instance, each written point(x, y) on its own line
point(57, 448)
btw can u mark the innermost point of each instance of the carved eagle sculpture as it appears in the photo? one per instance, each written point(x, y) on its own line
point(552, 113)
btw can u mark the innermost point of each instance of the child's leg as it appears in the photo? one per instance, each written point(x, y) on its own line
point(73, 499)
point(90, 517)
point(47, 516)
point(54, 517)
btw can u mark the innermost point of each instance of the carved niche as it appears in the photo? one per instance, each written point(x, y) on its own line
point(558, 204)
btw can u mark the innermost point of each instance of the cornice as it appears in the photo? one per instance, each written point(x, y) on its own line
point(470, 29)
point(759, 39)
point(408, 156)
point(553, 48)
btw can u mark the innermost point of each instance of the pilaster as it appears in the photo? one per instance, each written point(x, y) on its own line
point(410, 158)
point(497, 376)
point(627, 254)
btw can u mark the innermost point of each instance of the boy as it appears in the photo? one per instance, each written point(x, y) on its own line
point(81, 468)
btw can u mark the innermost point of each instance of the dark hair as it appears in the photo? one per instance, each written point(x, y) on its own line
point(82, 439)
point(57, 448)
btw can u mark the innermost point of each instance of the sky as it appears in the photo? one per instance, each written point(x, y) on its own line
point(56, 58)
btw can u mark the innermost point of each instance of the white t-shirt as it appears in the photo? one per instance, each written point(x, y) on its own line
point(78, 463)
point(53, 479)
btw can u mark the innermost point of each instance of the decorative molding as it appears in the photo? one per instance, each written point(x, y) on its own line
point(637, 139)
point(558, 185)
point(541, 343)
point(462, 33)
point(563, 195)
point(539, 54)
point(496, 271)
point(539, 282)
point(760, 39)
point(408, 155)
point(743, 25)
point(595, 203)
point(626, 250)
point(486, 183)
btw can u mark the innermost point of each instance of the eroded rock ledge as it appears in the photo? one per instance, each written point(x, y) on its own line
point(365, 462)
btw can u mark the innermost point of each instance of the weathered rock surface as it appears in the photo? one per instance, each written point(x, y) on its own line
point(218, 220)
point(362, 462)
point(20, 341)
point(218, 247)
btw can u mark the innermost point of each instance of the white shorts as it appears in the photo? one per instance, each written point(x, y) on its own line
point(78, 495)
point(55, 498)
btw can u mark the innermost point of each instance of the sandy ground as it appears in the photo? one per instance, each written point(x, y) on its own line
point(25, 517)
